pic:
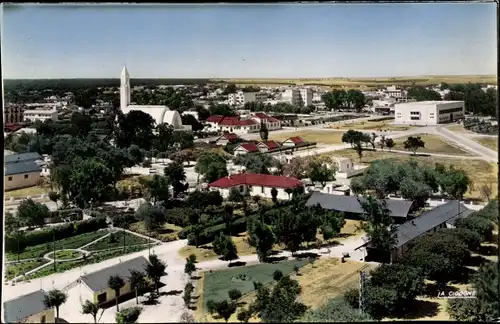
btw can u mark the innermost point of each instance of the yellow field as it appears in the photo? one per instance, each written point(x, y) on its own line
point(25, 192)
point(481, 172)
point(364, 82)
point(325, 137)
point(490, 142)
point(433, 144)
point(385, 125)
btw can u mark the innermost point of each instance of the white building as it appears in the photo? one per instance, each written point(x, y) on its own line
point(240, 98)
point(345, 168)
point(271, 122)
point(291, 96)
point(429, 112)
point(31, 115)
point(317, 96)
point(256, 185)
point(161, 114)
point(306, 96)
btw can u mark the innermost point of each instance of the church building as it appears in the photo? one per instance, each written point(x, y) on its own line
point(161, 114)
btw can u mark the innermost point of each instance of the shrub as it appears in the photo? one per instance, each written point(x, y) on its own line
point(351, 297)
point(480, 225)
point(210, 233)
point(123, 220)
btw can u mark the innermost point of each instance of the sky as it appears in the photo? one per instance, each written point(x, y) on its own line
point(249, 41)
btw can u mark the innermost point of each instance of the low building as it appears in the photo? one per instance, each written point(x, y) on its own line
point(270, 122)
point(345, 168)
point(96, 284)
point(22, 170)
point(31, 115)
point(352, 208)
point(257, 185)
point(240, 98)
point(429, 112)
point(294, 142)
point(29, 308)
point(268, 146)
point(245, 148)
point(227, 138)
point(232, 124)
point(443, 216)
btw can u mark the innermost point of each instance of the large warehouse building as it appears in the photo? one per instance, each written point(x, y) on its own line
point(429, 112)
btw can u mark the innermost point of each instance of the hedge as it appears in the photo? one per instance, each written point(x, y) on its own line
point(60, 232)
point(210, 233)
point(219, 221)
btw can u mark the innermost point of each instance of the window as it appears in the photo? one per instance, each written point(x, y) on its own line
point(25, 176)
point(10, 178)
point(242, 189)
point(101, 298)
point(262, 188)
point(415, 117)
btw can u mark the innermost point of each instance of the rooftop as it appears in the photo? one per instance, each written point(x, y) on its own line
point(98, 280)
point(428, 102)
point(23, 157)
point(251, 179)
point(16, 310)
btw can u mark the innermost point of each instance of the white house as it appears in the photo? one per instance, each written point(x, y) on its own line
point(245, 148)
point(429, 112)
point(268, 146)
point(256, 185)
point(347, 169)
point(31, 115)
point(294, 142)
point(232, 124)
point(270, 122)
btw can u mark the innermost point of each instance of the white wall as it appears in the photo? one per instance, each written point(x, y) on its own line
point(429, 113)
point(264, 192)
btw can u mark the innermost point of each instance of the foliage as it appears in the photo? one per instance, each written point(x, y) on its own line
point(335, 310)
point(224, 246)
point(190, 266)
point(413, 143)
point(296, 168)
point(154, 216)
point(342, 99)
point(155, 269)
point(31, 213)
point(264, 133)
point(202, 199)
point(256, 163)
point(128, 315)
point(379, 225)
point(235, 195)
point(138, 282)
point(211, 165)
point(176, 177)
point(423, 94)
point(262, 237)
point(55, 298)
point(116, 283)
point(482, 226)
point(90, 308)
point(321, 171)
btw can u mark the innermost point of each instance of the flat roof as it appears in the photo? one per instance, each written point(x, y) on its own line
point(429, 102)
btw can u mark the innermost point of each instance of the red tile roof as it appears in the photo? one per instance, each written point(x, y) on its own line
point(249, 147)
point(297, 140)
point(12, 127)
point(230, 136)
point(264, 180)
point(272, 145)
point(264, 116)
point(214, 119)
point(231, 121)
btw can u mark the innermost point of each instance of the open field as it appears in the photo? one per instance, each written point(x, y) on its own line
point(384, 125)
point(205, 252)
point(366, 82)
point(38, 251)
point(433, 144)
point(325, 137)
point(25, 192)
point(489, 142)
point(15, 269)
point(481, 172)
point(116, 240)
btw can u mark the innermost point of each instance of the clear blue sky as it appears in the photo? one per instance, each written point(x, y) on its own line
point(167, 41)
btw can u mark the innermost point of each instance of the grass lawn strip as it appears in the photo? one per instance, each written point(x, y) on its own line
point(119, 241)
point(325, 137)
point(38, 251)
point(25, 192)
point(433, 144)
point(218, 283)
point(489, 142)
point(15, 269)
point(481, 172)
point(93, 258)
point(66, 255)
point(385, 125)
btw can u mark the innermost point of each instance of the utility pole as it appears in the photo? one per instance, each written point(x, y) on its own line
point(362, 282)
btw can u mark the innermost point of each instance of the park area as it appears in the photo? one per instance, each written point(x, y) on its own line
point(480, 171)
point(488, 141)
point(433, 144)
point(205, 252)
point(71, 252)
point(320, 280)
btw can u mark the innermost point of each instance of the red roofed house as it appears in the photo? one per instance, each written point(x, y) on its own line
point(227, 138)
point(256, 185)
point(294, 141)
point(271, 122)
point(268, 146)
point(232, 124)
point(245, 148)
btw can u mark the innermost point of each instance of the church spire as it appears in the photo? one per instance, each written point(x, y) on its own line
point(124, 88)
point(125, 72)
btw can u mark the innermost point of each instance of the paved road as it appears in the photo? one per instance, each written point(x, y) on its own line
point(468, 144)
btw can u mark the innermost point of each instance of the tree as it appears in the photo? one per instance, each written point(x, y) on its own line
point(352, 137)
point(155, 269)
point(211, 165)
point(336, 310)
point(12, 223)
point(235, 195)
point(466, 309)
point(190, 267)
point(234, 294)
point(373, 137)
point(187, 317)
point(136, 127)
point(55, 298)
point(137, 282)
point(296, 168)
point(224, 246)
point(274, 195)
point(382, 142)
point(482, 226)
point(158, 188)
point(389, 142)
point(277, 275)
point(413, 143)
point(32, 213)
point(116, 283)
point(262, 237)
point(485, 283)
point(455, 182)
point(128, 315)
point(359, 150)
point(263, 132)
point(188, 290)
point(320, 172)
point(90, 308)
point(244, 315)
point(227, 217)
point(225, 309)
point(176, 176)
point(423, 94)
point(255, 163)
point(54, 196)
point(154, 216)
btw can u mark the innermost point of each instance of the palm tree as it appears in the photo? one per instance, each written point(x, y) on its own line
point(155, 270)
point(138, 282)
point(55, 298)
point(116, 283)
point(90, 308)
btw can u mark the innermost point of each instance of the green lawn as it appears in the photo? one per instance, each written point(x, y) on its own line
point(217, 283)
point(118, 239)
point(15, 269)
point(93, 258)
point(489, 142)
point(433, 144)
point(38, 251)
point(66, 255)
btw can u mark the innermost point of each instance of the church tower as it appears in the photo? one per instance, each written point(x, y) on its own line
point(124, 88)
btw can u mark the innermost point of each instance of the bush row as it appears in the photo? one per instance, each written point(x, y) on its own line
point(210, 233)
point(211, 225)
point(12, 242)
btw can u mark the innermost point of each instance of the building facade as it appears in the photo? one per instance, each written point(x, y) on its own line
point(31, 115)
point(13, 114)
point(29, 308)
point(240, 97)
point(22, 170)
point(429, 112)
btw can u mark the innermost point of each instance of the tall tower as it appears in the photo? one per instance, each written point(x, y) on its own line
point(124, 88)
